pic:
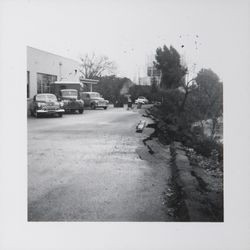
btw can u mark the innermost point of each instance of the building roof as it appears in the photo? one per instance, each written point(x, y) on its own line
point(89, 81)
point(44, 51)
point(67, 82)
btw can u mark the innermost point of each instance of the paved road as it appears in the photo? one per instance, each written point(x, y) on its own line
point(94, 167)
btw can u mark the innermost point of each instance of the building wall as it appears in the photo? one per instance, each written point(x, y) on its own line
point(152, 72)
point(39, 61)
point(145, 81)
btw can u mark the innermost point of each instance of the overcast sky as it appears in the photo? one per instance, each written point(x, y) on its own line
point(129, 32)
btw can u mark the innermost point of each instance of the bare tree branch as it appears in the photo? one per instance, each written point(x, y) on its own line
point(94, 66)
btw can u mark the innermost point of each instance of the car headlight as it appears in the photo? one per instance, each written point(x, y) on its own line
point(40, 104)
point(61, 104)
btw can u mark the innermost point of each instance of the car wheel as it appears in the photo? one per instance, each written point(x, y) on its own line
point(60, 114)
point(32, 113)
point(92, 106)
point(37, 115)
point(104, 107)
point(81, 111)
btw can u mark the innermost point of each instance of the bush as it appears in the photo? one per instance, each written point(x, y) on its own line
point(140, 90)
point(207, 147)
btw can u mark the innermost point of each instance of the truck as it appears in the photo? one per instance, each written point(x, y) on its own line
point(69, 94)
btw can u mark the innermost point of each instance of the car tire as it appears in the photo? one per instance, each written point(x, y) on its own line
point(60, 114)
point(105, 108)
point(37, 115)
point(92, 106)
point(81, 111)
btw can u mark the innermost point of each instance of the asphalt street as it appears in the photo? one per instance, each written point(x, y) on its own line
point(94, 167)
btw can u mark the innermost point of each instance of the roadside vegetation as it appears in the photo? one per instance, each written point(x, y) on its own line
point(188, 115)
point(190, 111)
point(114, 89)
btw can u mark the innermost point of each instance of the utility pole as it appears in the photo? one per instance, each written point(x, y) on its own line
point(60, 71)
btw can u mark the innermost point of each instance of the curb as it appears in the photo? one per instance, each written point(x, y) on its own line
point(195, 200)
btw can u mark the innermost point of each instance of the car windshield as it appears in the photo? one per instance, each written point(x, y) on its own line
point(46, 98)
point(69, 92)
point(141, 97)
point(94, 95)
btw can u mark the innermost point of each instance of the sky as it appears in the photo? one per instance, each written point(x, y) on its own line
point(128, 32)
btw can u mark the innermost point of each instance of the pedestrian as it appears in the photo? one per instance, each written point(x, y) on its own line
point(129, 103)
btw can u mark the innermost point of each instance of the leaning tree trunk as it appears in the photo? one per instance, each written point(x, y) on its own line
point(182, 106)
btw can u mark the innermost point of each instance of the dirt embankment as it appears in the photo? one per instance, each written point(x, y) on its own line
point(195, 190)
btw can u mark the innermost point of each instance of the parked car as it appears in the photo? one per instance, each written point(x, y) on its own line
point(141, 100)
point(46, 104)
point(94, 100)
point(71, 100)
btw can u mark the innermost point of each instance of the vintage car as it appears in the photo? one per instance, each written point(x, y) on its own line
point(141, 100)
point(71, 100)
point(46, 104)
point(94, 100)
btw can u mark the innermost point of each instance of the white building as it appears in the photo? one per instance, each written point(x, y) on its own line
point(149, 75)
point(154, 74)
point(144, 81)
point(44, 68)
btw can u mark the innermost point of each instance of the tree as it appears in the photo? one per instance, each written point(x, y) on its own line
point(154, 87)
point(93, 66)
point(169, 63)
point(206, 99)
point(140, 90)
point(186, 88)
point(113, 88)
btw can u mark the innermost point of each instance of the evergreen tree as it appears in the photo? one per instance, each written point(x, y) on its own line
point(169, 63)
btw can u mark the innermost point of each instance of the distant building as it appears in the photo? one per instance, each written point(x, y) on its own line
point(144, 81)
point(154, 74)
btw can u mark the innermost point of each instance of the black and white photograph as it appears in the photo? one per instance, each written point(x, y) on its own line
point(140, 134)
point(125, 112)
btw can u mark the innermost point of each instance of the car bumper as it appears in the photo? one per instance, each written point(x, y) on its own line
point(40, 111)
point(101, 106)
point(71, 107)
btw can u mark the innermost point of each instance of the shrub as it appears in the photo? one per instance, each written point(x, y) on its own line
point(207, 147)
